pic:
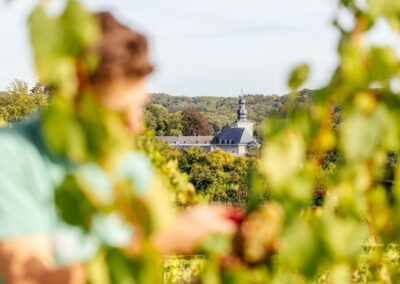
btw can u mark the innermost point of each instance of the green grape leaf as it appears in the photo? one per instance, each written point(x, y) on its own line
point(358, 141)
point(388, 8)
point(298, 76)
point(301, 249)
point(283, 158)
point(345, 237)
point(58, 44)
point(72, 204)
point(97, 269)
point(341, 274)
point(382, 64)
point(145, 269)
point(71, 141)
point(78, 35)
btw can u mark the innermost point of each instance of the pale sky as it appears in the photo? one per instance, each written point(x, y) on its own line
point(205, 47)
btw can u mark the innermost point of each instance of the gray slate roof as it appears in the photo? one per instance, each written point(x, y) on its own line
point(228, 136)
point(233, 136)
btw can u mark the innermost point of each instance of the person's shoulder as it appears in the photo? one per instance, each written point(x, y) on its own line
point(139, 169)
point(134, 162)
point(19, 137)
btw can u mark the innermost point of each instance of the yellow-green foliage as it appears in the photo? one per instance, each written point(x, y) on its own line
point(163, 122)
point(167, 166)
point(294, 242)
point(18, 102)
point(218, 176)
point(329, 240)
point(182, 269)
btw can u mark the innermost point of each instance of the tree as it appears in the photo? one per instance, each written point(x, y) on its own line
point(195, 123)
point(164, 123)
point(40, 88)
point(216, 175)
point(19, 103)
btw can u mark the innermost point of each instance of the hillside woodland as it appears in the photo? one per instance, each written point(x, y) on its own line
point(221, 111)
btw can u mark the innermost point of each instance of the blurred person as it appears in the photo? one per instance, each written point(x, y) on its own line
point(30, 173)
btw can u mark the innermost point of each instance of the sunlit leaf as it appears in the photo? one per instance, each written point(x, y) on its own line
point(298, 76)
point(284, 157)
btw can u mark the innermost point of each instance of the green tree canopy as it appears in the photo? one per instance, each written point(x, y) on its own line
point(18, 102)
point(164, 123)
point(216, 175)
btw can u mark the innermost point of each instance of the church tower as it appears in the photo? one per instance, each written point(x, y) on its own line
point(242, 121)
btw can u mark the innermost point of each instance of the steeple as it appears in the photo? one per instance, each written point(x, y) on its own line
point(242, 121)
point(242, 111)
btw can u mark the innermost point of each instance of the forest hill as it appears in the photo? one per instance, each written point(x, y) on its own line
point(164, 113)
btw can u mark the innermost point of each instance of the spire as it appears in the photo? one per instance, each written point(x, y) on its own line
point(242, 112)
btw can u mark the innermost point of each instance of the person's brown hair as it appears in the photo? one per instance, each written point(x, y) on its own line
point(123, 53)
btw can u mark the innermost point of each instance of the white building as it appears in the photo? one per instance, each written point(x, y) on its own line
point(237, 139)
